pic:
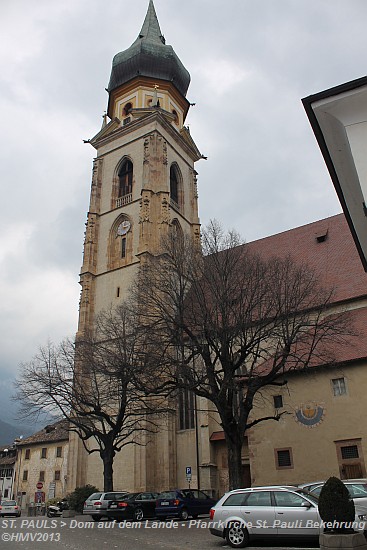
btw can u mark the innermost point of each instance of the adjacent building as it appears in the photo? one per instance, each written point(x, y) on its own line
point(41, 465)
point(7, 470)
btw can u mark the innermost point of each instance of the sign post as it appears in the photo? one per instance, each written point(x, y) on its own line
point(188, 474)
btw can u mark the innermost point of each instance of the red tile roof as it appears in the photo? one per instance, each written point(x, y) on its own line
point(53, 432)
point(336, 257)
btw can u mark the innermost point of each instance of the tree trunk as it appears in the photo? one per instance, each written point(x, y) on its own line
point(107, 456)
point(234, 448)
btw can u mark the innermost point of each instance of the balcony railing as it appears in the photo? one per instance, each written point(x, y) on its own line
point(122, 201)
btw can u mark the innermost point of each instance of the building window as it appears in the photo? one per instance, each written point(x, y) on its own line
point(123, 247)
point(27, 454)
point(176, 119)
point(278, 401)
point(120, 244)
point(59, 452)
point(25, 475)
point(174, 184)
point(125, 176)
point(186, 406)
point(57, 475)
point(350, 458)
point(283, 458)
point(44, 452)
point(349, 452)
point(127, 109)
point(339, 386)
point(42, 476)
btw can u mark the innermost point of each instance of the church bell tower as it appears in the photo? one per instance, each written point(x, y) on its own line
point(143, 183)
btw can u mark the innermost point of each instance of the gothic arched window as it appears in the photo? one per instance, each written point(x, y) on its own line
point(174, 184)
point(125, 176)
point(120, 243)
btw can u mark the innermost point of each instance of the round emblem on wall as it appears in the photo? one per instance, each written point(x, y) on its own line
point(123, 228)
point(310, 414)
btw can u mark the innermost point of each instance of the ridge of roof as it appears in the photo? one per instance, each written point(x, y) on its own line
point(58, 431)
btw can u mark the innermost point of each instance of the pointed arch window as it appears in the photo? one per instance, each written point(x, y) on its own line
point(175, 185)
point(125, 176)
point(120, 243)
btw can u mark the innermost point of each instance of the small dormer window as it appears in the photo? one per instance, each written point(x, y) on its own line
point(321, 235)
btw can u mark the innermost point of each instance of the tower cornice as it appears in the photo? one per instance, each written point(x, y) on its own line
point(183, 138)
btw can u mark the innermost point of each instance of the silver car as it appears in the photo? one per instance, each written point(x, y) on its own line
point(357, 489)
point(9, 508)
point(96, 504)
point(268, 512)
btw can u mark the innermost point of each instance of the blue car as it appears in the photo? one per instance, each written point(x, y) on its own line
point(183, 503)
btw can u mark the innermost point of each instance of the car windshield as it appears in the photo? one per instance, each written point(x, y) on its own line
point(8, 503)
point(312, 498)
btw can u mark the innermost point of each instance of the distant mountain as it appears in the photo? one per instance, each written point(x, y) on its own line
point(8, 432)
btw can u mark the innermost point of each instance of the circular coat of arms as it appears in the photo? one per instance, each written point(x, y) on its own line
point(310, 414)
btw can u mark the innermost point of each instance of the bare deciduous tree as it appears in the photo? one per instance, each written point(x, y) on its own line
point(98, 384)
point(230, 323)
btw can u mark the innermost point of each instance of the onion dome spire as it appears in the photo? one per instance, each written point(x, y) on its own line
point(149, 56)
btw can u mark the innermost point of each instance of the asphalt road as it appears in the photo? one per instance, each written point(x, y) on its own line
point(81, 534)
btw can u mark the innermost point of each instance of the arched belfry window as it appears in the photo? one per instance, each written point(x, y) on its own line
point(122, 190)
point(175, 185)
point(125, 176)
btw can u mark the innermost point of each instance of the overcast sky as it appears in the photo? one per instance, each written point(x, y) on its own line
point(251, 62)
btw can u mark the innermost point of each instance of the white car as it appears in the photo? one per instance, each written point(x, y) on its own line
point(357, 489)
point(269, 512)
point(9, 508)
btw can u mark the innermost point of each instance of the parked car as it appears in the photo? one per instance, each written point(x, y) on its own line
point(268, 512)
point(96, 504)
point(9, 508)
point(309, 486)
point(183, 503)
point(357, 490)
point(135, 506)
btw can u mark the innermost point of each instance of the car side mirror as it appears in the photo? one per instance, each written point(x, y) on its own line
point(306, 504)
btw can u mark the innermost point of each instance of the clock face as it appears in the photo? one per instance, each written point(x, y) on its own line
point(123, 228)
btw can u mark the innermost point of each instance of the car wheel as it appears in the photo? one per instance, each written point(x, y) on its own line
point(194, 516)
point(237, 536)
point(184, 514)
point(138, 514)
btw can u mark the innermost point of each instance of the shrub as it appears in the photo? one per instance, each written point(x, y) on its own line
point(336, 506)
point(77, 498)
